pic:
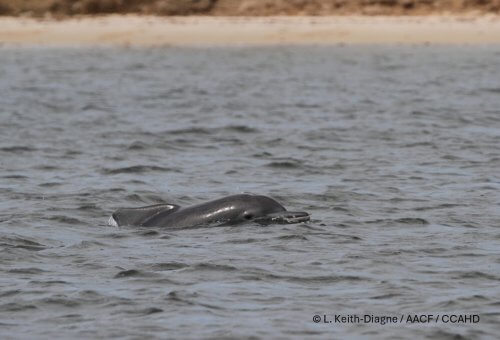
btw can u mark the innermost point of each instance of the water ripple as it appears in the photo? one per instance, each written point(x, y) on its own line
point(392, 149)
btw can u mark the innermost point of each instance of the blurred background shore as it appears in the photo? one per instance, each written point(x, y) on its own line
point(135, 30)
point(61, 8)
point(229, 22)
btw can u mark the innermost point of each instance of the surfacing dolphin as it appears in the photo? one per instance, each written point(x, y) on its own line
point(228, 210)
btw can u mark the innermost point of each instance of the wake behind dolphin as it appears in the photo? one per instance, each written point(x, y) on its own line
point(228, 210)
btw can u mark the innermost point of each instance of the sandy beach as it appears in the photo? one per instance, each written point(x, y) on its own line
point(137, 30)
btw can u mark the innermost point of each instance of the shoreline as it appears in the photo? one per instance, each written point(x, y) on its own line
point(150, 31)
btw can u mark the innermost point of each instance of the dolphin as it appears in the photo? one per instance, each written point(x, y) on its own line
point(228, 210)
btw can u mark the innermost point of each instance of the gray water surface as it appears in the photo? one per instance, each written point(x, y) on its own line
point(394, 151)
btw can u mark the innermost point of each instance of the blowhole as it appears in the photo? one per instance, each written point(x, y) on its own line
point(248, 216)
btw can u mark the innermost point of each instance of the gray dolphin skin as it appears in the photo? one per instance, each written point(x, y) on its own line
point(228, 210)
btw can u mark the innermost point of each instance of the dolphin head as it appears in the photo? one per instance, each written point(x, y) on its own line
point(265, 210)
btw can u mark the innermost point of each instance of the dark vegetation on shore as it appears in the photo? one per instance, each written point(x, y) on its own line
point(62, 8)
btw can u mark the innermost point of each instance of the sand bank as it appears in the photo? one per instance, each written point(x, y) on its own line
point(137, 30)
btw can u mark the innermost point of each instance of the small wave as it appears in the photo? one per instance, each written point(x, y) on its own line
point(132, 273)
point(168, 266)
point(128, 273)
point(447, 335)
point(412, 220)
point(49, 184)
point(180, 296)
point(15, 177)
point(71, 316)
point(71, 153)
point(434, 251)
point(94, 107)
point(64, 219)
point(283, 165)
point(326, 279)
point(453, 255)
point(474, 298)
point(61, 301)
point(263, 154)
point(213, 267)
point(404, 220)
point(90, 295)
point(292, 237)
point(186, 131)
point(289, 163)
point(189, 299)
point(307, 106)
point(346, 238)
point(474, 275)
point(142, 312)
point(48, 283)
point(136, 181)
point(87, 244)
point(15, 307)
point(419, 113)
point(148, 233)
point(243, 241)
point(440, 206)
point(23, 243)
point(46, 167)
point(116, 190)
point(137, 169)
point(385, 296)
point(134, 198)
point(137, 146)
point(17, 148)
point(491, 90)
point(412, 145)
point(10, 293)
point(31, 270)
point(115, 236)
point(241, 129)
point(89, 207)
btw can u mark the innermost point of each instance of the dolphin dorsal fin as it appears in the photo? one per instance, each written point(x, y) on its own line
point(137, 216)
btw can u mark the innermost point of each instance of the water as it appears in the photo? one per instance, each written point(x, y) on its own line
point(394, 151)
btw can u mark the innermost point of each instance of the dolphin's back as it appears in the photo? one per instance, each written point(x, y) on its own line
point(218, 211)
point(138, 216)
